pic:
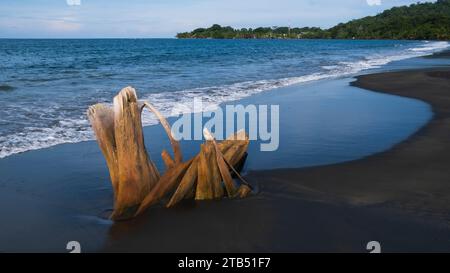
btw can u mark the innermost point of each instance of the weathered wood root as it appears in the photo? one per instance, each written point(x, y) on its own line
point(119, 134)
point(136, 182)
point(204, 170)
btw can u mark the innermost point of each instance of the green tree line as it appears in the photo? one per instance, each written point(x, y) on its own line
point(430, 21)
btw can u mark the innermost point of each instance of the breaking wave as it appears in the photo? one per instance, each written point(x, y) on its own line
point(72, 130)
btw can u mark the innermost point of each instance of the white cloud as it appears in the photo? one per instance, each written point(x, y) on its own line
point(373, 2)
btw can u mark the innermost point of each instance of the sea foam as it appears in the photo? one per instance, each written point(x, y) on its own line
point(72, 130)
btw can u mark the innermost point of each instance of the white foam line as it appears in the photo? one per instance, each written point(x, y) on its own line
point(215, 95)
point(68, 130)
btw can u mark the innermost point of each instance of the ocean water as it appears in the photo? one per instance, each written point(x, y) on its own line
point(46, 86)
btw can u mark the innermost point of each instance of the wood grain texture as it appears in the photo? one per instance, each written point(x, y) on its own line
point(136, 182)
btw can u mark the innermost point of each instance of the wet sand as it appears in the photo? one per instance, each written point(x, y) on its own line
point(414, 176)
point(400, 197)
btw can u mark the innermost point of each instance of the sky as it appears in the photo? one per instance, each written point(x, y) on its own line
point(165, 18)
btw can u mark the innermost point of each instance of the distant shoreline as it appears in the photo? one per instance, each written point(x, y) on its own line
point(422, 21)
point(267, 39)
point(309, 39)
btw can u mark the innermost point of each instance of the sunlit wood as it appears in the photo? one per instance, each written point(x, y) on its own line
point(136, 182)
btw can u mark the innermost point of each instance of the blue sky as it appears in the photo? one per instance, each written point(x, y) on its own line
point(164, 18)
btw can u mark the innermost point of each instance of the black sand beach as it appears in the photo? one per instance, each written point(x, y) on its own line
point(413, 176)
point(400, 197)
point(108, 129)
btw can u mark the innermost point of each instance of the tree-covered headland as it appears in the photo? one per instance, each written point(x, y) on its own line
point(421, 21)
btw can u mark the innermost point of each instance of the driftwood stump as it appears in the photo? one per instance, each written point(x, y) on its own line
point(119, 134)
point(136, 181)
